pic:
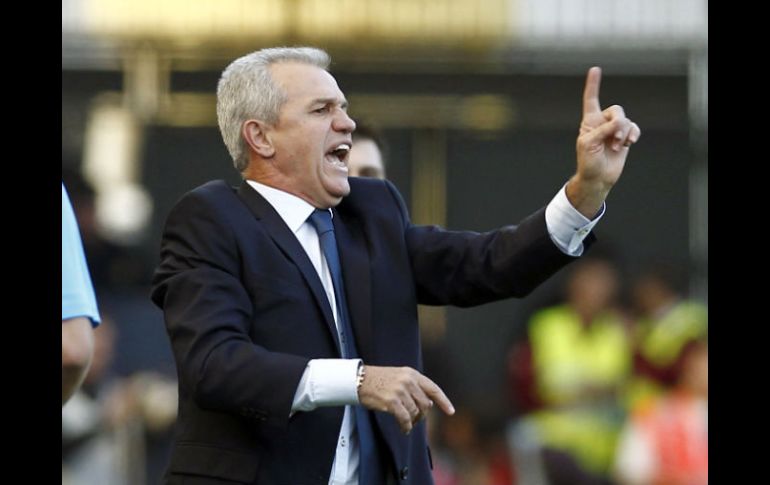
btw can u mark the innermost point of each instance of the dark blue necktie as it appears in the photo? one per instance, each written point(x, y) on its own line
point(370, 471)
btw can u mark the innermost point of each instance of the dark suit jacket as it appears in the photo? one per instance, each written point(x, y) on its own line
point(245, 311)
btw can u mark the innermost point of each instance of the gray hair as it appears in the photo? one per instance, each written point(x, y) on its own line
point(247, 91)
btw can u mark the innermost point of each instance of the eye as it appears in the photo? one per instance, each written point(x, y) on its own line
point(323, 109)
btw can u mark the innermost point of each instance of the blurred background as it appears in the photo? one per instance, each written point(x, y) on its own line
point(478, 106)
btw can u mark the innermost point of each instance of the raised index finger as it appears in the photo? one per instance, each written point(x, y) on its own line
point(591, 91)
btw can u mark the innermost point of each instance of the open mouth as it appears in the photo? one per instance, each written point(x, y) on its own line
point(338, 156)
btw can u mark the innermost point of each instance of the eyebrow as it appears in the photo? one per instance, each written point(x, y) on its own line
point(325, 101)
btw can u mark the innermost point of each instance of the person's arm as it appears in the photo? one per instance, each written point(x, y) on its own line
point(77, 347)
point(465, 268)
point(78, 304)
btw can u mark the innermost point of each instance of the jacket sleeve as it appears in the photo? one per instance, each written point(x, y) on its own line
point(466, 268)
point(208, 313)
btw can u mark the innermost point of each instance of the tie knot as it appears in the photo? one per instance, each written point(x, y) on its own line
point(322, 220)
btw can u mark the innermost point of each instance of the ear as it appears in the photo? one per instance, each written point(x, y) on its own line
point(256, 135)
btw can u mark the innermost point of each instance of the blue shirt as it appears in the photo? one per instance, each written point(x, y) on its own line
point(77, 292)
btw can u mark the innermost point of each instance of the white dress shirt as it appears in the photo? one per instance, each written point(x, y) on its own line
point(332, 382)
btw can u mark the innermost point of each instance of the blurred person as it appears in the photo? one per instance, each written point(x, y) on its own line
point(279, 380)
point(580, 360)
point(366, 155)
point(666, 323)
point(121, 277)
point(135, 374)
point(665, 441)
point(79, 312)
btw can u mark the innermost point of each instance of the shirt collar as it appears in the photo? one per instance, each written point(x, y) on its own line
point(293, 210)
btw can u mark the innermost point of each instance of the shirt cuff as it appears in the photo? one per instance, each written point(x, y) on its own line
point(327, 382)
point(566, 226)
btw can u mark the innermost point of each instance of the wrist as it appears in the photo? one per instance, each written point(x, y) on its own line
point(586, 196)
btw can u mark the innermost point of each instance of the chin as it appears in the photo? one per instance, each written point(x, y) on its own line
point(334, 199)
point(340, 188)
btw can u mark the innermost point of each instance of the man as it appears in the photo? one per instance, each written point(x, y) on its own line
point(78, 305)
point(365, 158)
point(254, 284)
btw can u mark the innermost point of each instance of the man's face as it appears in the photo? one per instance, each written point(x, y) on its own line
point(312, 137)
point(366, 160)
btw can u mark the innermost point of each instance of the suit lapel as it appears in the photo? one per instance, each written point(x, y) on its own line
point(288, 243)
point(354, 256)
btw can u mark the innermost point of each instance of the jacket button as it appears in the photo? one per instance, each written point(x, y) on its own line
point(404, 473)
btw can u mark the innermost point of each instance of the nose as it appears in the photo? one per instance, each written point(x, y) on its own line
point(344, 123)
